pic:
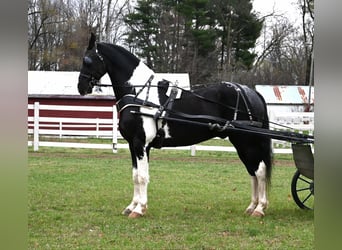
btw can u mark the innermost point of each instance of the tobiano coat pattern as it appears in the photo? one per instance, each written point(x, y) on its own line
point(150, 109)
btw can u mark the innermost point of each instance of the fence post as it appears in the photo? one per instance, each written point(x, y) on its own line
point(36, 127)
point(193, 150)
point(60, 130)
point(115, 130)
point(97, 127)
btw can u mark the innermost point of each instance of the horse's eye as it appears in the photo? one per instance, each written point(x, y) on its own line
point(87, 60)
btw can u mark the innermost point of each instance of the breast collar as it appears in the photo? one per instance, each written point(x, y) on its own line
point(131, 100)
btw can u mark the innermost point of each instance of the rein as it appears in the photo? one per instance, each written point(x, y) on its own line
point(200, 97)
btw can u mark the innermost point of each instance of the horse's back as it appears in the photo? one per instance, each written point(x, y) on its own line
point(226, 94)
point(218, 101)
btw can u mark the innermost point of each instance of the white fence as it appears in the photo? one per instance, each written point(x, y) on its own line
point(61, 127)
point(66, 126)
point(300, 122)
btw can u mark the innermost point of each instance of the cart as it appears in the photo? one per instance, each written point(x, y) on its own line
point(302, 185)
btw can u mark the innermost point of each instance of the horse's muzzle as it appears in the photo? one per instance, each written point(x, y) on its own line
point(84, 88)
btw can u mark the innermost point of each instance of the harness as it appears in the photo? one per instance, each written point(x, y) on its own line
point(131, 100)
point(148, 85)
point(240, 92)
point(164, 110)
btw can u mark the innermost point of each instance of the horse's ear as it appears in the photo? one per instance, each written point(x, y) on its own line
point(91, 41)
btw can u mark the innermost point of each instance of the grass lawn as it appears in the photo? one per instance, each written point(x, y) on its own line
point(76, 196)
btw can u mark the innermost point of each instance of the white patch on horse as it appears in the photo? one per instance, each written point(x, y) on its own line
point(254, 198)
point(167, 131)
point(262, 196)
point(149, 124)
point(140, 77)
point(141, 179)
point(141, 73)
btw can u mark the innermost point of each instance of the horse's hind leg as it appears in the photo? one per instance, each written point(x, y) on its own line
point(251, 153)
point(254, 197)
point(259, 201)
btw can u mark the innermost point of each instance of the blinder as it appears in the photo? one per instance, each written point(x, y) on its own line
point(87, 60)
point(92, 80)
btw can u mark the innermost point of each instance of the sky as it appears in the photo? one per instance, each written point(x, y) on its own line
point(287, 7)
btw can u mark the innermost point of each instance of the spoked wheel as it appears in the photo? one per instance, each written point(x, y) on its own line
point(302, 189)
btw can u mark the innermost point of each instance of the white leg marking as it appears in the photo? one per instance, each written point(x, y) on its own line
point(262, 201)
point(136, 193)
point(140, 174)
point(141, 179)
point(254, 198)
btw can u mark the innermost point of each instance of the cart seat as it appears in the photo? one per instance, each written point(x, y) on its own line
point(304, 159)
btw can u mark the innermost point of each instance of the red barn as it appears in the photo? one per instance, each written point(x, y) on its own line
point(60, 88)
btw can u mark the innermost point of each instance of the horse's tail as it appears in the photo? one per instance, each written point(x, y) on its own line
point(268, 155)
point(267, 145)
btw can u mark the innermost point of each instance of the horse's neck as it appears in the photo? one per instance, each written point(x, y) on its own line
point(129, 79)
point(141, 75)
point(144, 81)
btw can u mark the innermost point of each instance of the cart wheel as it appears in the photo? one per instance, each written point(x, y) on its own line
point(302, 189)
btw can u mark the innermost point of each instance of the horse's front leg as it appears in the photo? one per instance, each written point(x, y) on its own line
point(140, 174)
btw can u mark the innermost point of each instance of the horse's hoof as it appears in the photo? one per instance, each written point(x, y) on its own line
point(249, 211)
point(257, 214)
point(134, 215)
point(127, 212)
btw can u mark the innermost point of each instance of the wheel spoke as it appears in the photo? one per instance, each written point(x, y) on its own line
point(307, 197)
point(301, 178)
point(302, 189)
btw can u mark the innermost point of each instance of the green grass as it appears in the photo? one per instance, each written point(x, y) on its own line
point(76, 197)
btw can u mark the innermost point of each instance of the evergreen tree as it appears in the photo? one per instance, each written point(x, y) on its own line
point(238, 29)
point(144, 27)
point(194, 36)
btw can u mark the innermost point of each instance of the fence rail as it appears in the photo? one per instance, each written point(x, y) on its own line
point(66, 126)
point(300, 122)
point(108, 128)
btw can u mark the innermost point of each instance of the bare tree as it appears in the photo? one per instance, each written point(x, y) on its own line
point(114, 29)
point(58, 31)
point(307, 12)
point(286, 50)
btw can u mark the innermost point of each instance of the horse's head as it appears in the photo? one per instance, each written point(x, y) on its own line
point(93, 68)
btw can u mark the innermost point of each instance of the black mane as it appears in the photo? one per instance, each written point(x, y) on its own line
point(118, 56)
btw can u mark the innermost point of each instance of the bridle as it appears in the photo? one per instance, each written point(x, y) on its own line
point(94, 81)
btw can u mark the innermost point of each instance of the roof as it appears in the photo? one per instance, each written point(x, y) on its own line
point(65, 82)
point(281, 94)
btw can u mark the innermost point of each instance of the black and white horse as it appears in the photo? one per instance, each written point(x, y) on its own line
point(152, 114)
